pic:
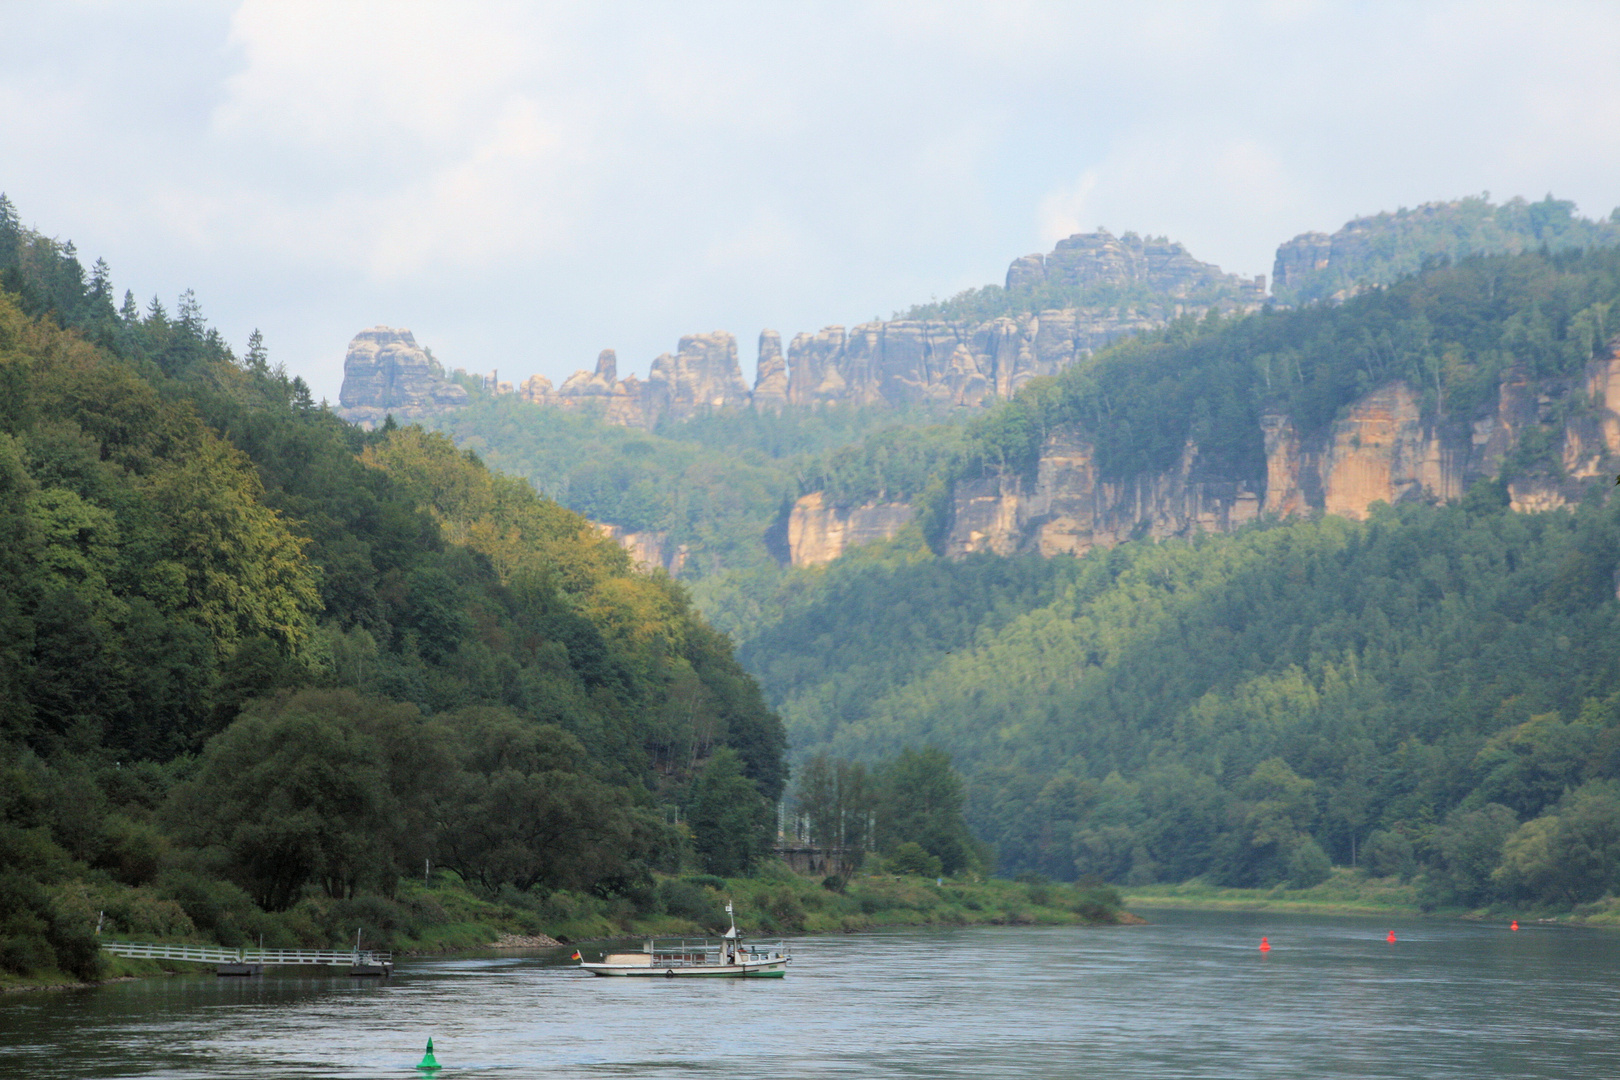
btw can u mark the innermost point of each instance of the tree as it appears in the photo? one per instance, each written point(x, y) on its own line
point(920, 800)
point(318, 786)
point(522, 811)
point(730, 820)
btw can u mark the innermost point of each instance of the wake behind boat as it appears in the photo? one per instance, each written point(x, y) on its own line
point(729, 957)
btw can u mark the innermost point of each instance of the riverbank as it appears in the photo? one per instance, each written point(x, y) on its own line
point(1353, 892)
point(1346, 892)
point(443, 916)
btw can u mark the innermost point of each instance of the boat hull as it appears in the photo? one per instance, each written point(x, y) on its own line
point(768, 969)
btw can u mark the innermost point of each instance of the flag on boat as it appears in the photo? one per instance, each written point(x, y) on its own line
point(576, 956)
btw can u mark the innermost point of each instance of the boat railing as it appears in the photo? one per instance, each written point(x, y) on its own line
point(691, 952)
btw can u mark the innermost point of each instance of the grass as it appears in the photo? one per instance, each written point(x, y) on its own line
point(1346, 892)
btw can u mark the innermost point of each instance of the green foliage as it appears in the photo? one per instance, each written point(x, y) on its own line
point(730, 821)
point(1386, 247)
point(1450, 333)
point(718, 485)
point(912, 858)
point(257, 665)
point(1402, 693)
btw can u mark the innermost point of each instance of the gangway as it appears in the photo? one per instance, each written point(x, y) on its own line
point(254, 961)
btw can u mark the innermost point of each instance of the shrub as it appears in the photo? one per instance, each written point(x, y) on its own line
point(1308, 865)
point(911, 858)
point(685, 899)
point(707, 881)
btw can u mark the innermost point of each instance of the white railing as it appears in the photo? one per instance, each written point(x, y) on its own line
point(214, 954)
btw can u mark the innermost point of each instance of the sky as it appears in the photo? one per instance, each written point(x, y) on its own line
point(522, 185)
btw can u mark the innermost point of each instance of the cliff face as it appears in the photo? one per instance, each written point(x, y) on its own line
point(1380, 248)
point(1100, 258)
point(894, 362)
point(386, 371)
point(1381, 450)
point(649, 550)
point(818, 532)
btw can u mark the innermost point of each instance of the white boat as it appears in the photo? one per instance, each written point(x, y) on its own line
point(669, 958)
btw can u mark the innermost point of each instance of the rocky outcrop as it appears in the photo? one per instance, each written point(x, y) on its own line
point(648, 550)
point(1381, 248)
point(1382, 449)
point(899, 362)
point(386, 371)
point(818, 532)
point(701, 376)
point(1068, 509)
point(1085, 260)
point(770, 374)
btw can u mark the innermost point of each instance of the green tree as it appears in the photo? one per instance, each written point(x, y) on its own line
point(730, 821)
point(920, 800)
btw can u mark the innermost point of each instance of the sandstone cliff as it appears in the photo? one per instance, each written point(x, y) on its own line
point(818, 532)
point(649, 550)
point(1085, 260)
point(385, 371)
point(949, 362)
point(1381, 449)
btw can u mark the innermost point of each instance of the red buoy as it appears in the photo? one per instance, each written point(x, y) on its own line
point(1391, 937)
point(1265, 946)
point(1515, 925)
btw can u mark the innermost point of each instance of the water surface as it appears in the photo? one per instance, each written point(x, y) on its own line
point(1187, 996)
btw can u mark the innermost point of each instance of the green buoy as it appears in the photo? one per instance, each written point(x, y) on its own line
point(429, 1062)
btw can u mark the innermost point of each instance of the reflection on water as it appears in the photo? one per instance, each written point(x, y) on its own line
point(1187, 996)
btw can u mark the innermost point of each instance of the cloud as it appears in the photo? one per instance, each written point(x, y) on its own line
point(524, 184)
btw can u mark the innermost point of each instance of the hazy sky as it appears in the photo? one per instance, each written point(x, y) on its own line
point(523, 185)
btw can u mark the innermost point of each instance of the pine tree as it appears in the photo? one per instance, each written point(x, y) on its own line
point(257, 358)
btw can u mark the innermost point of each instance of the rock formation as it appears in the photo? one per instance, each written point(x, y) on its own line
point(770, 374)
point(648, 550)
point(1380, 450)
point(818, 532)
point(385, 371)
point(896, 362)
point(1100, 258)
point(1381, 248)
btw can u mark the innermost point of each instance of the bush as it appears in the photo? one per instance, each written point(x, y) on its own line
point(685, 899)
point(218, 909)
point(1097, 902)
point(911, 858)
point(1308, 865)
point(834, 883)
point(24, 954)
point(1389, 854)
point(708, 881)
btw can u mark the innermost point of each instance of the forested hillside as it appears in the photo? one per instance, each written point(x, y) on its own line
point(1430, 692)
point(250, 655)
point(720, 486)
point(1435, 691)
point(1380, 249)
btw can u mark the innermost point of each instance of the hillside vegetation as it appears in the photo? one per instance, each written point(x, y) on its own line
point(1429, 694)
point(1432, 692)
point(256, 665)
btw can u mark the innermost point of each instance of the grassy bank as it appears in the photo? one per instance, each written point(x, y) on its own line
point(1353, 892)
point(444, 915)
point(1346, 892)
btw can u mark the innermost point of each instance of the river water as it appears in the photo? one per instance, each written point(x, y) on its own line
point(1188, 995)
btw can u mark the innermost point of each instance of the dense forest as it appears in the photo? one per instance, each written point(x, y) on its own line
point(719, 485)
point(1381, 249)
point(250, 654)
point(1430, 694)
point(1449, 332)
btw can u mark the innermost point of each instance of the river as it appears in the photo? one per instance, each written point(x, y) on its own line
point(1188, 995)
